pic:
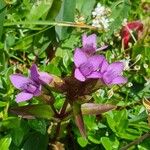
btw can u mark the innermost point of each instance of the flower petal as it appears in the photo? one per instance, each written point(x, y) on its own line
point(89, 41)
point(79, 57)
point(95, 75)
point(38, 91)
point(78, 75)
point(116, 68)
point(119, 80)
point(23, 96)
point(104, 66)
point(34, 72)
point(19, 80)
point(96, 61)
point(45, 77)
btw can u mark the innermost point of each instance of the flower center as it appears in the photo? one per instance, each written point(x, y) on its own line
point(30, 87)
point(86, 68)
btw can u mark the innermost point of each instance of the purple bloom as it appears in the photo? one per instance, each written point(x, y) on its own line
point(112, 73)
point(87, 67)
point(89, 44)
point(30, 86)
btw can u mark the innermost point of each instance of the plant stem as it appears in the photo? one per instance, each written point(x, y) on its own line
point(137, 141)
point(63, 23)
point(57, 131)
point(62, 112)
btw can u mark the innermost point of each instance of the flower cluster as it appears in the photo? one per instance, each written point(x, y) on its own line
point(30, 86)
point(89, 65)
point(131, 30)
point(101, 17)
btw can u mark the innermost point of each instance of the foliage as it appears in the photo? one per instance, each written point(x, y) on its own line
point(46, 32)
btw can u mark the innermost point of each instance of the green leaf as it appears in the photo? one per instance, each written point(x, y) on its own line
point(17, 136)
point(120, 11)
point(5, 142)
point(110, 143)
point(111, 122)
point(85, 7)
point(39, 111)
point(2, 15)
point(54, 10)
point(106, 143)
point(11, 122)
point(94, 140)
point(82, 141)
point(41, 8)
point(38, 125)
point(36, 141)
point(3, 104)
point(66, 13)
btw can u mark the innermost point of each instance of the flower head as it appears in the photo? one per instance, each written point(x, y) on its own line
point(136, 27)
point(112, 73)
point(87, 67)
point(30, 86)
point(101, 18)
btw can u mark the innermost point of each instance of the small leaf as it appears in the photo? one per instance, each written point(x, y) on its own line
point(82, 141)
point(96, 109)
point(40, 9)
point(5, 142)
point(106, 143)
point(94, 140)
point(31, 112)
point(11, 122)
point(53, 11)
point(36, 141)
point(2, 15)
point(17, 136)
point(3, 104)
point(86, 7)
point(38, 125)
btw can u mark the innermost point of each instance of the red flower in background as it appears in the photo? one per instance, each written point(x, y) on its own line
point(136, 27)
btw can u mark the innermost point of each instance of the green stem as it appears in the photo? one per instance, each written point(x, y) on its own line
point(62, 112)
point(65, 24)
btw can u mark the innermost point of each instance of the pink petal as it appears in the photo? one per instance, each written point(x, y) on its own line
point(34, 72)
point(104, 65)
point(95, 75)
point(78, 75)
point(23, 96)
point(45, 77)
point(89, 40)
point(116, 68)
point(119, 80)
point(96, 61)
point(79, 57)
point(38, 91)
point(19, 80)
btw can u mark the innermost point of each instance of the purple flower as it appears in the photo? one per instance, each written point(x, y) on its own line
point(112, 73)
point(30, 86)
point(89, 44)
point(87, 67)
